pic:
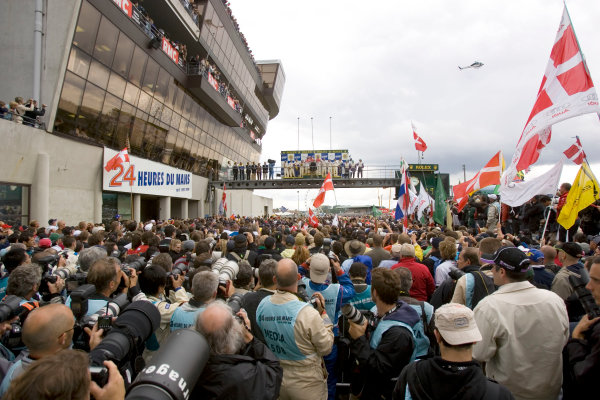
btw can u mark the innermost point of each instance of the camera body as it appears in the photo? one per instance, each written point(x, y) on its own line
point(585, 297)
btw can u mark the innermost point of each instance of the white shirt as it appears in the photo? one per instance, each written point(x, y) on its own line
point(524, 330)
point(442, 271)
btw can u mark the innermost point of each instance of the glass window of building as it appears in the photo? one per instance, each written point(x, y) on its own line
point(79, 62)
point(14, 204)
point(106, 42)
point(123, 55)
point(87, 27)
point(99, 74)
point(138, 62)
point(149, 82)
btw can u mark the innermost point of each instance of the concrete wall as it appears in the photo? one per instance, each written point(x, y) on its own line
point(66, 179)
point(16, 47)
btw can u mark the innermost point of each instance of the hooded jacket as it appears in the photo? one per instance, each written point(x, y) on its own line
point(253, 374)
point(435, 378)
point(394, 351)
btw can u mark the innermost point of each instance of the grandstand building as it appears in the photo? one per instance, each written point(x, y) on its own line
point(174, 81)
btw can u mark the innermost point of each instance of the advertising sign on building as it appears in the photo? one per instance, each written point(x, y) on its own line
point(170, 50)
point(126, 6)
point(142, 176)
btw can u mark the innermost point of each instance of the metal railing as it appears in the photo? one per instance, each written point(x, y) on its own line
point(24, 120)
point(369, 172)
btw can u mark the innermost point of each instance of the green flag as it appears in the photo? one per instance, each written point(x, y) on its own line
point(376, 211)
point(439, 214)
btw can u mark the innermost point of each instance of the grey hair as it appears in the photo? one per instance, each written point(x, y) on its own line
point(405, 278)
point(23, 279)
point(227, 340)
point(204, 284)
point(89, 256)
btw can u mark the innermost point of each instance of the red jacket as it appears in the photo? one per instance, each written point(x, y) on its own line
point(423, 284)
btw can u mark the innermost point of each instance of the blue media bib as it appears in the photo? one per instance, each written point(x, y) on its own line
point(276, 322)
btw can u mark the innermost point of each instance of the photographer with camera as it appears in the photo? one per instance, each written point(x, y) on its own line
point(152, 282)
point(46, 331)
point(336, 295)
point(266, 287)
point(205, 285)
point(239, 366)
point(11, 260)
point(582, 353)
point(241, 250)
point(65, 375)
point(106, 275)
point(569, 255)
point(385, 345)
point(298, 334)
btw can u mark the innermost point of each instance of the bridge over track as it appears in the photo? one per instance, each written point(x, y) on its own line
point(310, 183)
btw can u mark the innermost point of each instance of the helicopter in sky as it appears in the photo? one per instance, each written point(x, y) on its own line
point(476, 64)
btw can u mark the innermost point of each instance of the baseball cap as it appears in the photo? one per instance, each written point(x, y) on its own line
point(289, 240)
point(188, 245)
point(435, 242)
point(456, 324)
point(512, 259)
point(45, 243)
point(240, 239)
point(572, 249)
point(407, 250)
point(396, 249)
point(319, 268)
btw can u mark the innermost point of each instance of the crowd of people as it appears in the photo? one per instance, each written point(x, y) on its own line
point(319, 168)
point(21, 112)
point(250, 171)
point(291, 311)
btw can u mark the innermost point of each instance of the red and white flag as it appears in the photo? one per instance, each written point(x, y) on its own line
point(327, 185)
point(575, 153)
point(118, 159)
point(566, 91)
point(420, 144)
point(223, 205)
point(312, 219)
point(489, 175)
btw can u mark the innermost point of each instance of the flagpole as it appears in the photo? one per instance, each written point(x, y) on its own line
point(548, 216)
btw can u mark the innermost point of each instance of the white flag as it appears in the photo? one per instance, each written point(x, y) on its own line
point(424, 200)
point(517, 193)
point(414, 202)
point(335, 221)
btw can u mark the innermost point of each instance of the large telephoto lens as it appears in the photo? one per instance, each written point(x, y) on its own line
point(173, 371)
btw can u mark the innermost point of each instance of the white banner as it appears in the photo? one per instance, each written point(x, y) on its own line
point(518, 193)
point(145, 177)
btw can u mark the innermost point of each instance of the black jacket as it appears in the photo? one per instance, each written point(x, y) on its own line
point(582, 365)
point(435, 378)
point(250, 303)
point(379, 366)
point(253, 374)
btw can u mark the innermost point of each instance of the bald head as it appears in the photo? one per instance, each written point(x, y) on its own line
point(549, 254)
point(223, 334)
point(48, 329)
point(286, 274)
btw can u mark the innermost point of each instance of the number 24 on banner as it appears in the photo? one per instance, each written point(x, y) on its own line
point(128, 176)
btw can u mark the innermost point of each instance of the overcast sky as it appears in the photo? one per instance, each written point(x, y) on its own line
point(375, 66)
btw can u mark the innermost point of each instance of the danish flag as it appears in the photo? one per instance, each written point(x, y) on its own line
point(327, 185)
point(489, 175)
point(566, 91)
point(312, 219)
point(575, 153)
point(420, 144)
point(223, 205)
point(118, 159)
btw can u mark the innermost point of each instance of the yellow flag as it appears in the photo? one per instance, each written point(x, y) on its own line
point(585, 191)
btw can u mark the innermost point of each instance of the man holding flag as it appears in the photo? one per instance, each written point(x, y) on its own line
point(585, 191)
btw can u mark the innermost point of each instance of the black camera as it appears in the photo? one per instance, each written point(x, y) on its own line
point(326, 248)
point(124, 343)
point(174, 369)
point(235, 302)
point(10, 307)
point(585, 297)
